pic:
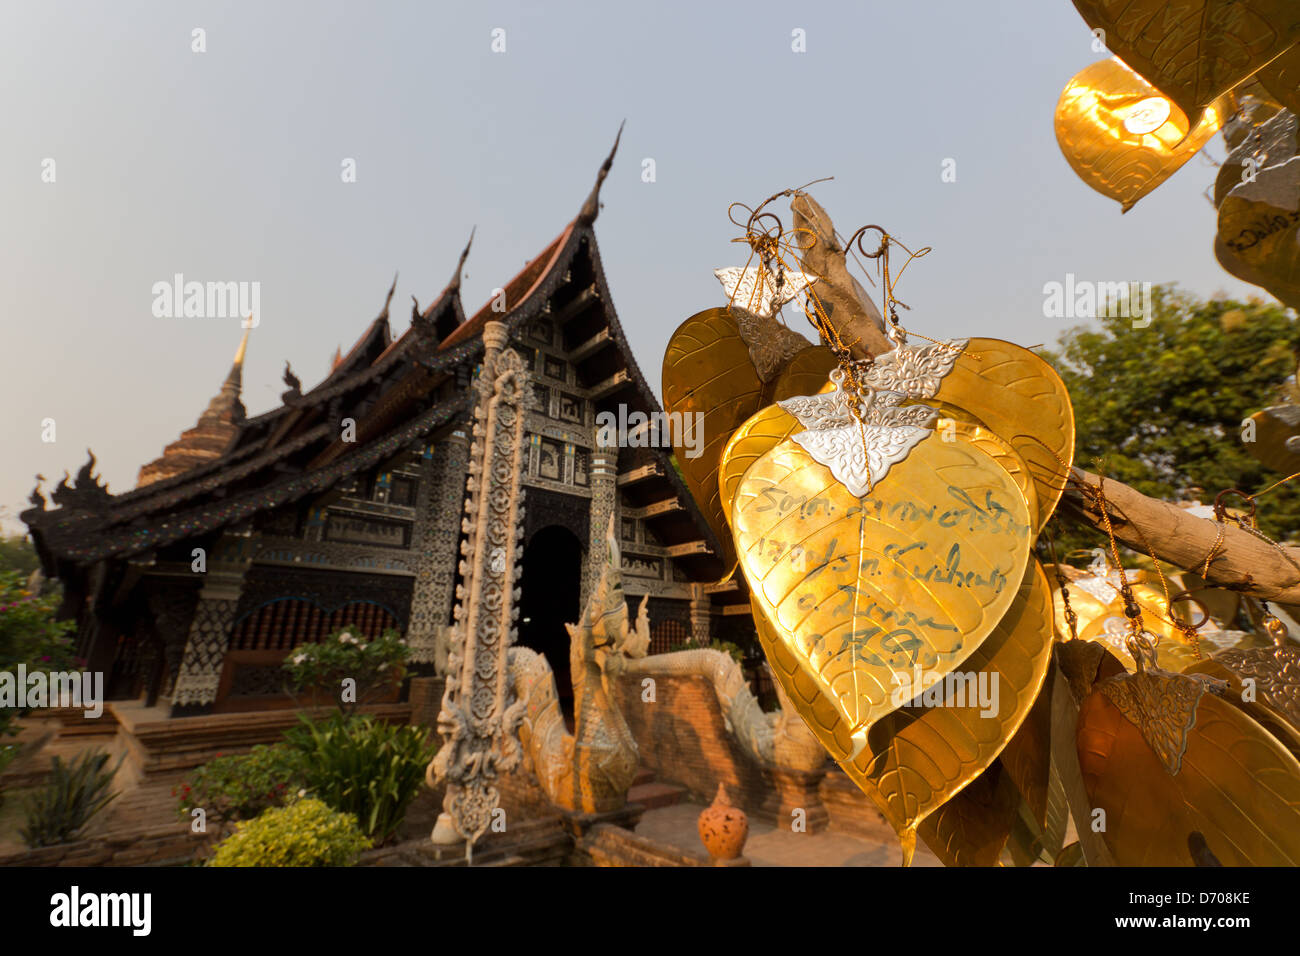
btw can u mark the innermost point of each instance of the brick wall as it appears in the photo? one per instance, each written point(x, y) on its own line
point(683, 739)
point(162, 846)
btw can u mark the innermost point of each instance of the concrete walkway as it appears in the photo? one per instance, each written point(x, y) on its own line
point(768, 846)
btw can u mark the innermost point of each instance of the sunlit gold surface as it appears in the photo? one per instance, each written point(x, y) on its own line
point(758, 435)
point(1114, 138)
point(1236, 786)
point(918, 757)
point(1194, 50)
point(984, 438)
point(707, 370)
point(918, 573)
point(1265, 683)
point(1282, 79)
point(1022, 399)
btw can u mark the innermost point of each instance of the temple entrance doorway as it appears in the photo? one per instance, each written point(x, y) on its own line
point(550, 582)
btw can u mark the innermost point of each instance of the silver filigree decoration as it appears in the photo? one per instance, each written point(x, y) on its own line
point(859, 455)
point(755, 290)
point(914, 371)
point(771, 343)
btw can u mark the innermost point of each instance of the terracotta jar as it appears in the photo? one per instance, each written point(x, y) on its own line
point(723, 828)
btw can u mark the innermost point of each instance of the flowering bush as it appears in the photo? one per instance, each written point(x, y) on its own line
point(305, 833)
point(374, 665)
point(239, 787)
point(30, 635)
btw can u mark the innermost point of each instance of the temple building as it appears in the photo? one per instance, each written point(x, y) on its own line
point(349, 503)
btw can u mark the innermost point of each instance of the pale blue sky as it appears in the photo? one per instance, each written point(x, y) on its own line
point(225, 165)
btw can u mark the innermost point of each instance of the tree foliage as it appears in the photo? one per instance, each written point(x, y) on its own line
point(1161, 408)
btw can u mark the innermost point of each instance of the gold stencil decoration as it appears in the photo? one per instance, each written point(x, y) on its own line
point(917, 574)
point(1121, 136)
point(1259, 230)
point(1194, 51)
point(707, 372)
point(1024, 402)
point(922, 754)
point(1172, 765)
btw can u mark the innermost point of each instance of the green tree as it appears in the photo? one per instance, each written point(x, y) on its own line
point(17, 554)
point(1161, 408)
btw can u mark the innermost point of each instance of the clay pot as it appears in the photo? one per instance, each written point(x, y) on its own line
point(723, 828)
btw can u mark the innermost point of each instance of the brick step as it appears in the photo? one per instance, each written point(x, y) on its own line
point(654, 795)
point(643, 775)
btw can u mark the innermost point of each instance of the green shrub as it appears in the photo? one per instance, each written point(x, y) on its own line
point(304, 833)
point(75, 793)
point(375, 666)
point(30, 635)
point(364, 767)
point(690, 644)
point(241, 786)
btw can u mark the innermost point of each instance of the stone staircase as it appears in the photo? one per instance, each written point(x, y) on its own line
point(653, 794)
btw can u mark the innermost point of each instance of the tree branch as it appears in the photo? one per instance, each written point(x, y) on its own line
point(1241, 561)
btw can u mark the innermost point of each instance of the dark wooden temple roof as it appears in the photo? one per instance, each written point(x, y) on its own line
point(398, 391)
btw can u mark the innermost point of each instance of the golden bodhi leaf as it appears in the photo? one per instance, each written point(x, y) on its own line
point(1272, 697)
point(759, 434)
point(1282, 78)
point(1121, 136)
point(708, 373)
point(1194, 51)
point(1232, 782)
point(916, 574)
point(1025, 403)
point(922, 754)
point(1000, 451)
point(807, 374)
point(972, 828)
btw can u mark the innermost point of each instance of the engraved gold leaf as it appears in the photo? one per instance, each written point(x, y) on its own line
point(758, 435)
point(1236, 786)
point(1194, 50)
point(918, 757)
point(1104, 122)
point(1259, 230)
point(972, 828)
point(805, 375)
point(707, 371)
point(1022, 399)
point(917, 573)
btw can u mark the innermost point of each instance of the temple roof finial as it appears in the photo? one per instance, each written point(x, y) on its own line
point(236, 375)
point(591, 208)
point(389, 298)
point(454, 285)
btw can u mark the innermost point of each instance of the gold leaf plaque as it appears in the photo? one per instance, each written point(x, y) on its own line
point(1194, 50)
point(1259, 230)
point(921, 755)
point(1022, 399)
point(1235, 785)
point(1121, 136)
point(805, 375)
point(707, 371)
point(915, 574)
point(1282, 78)
point(759, 434)
point(972, 828)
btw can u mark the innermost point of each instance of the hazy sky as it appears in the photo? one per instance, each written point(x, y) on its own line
point(226, 165)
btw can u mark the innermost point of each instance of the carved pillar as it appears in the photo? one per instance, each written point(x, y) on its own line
point(209, 633)
point(479, 718)
point(437, 529)
point(701, 618)
point(604, 503)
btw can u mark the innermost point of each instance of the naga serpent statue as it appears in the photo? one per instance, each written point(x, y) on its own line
point(591, 769)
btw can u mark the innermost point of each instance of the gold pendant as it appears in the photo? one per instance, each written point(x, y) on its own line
point(921, 755)
point(1121, 136)
point(1200, 51)
point(1024, 402)
point(1172, 767)
point(917, 574)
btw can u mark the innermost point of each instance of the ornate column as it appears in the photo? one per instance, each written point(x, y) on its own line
point(479, 718)
point(701, 618)
point(604, 503)
point(209, 633)
point(437, 529)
